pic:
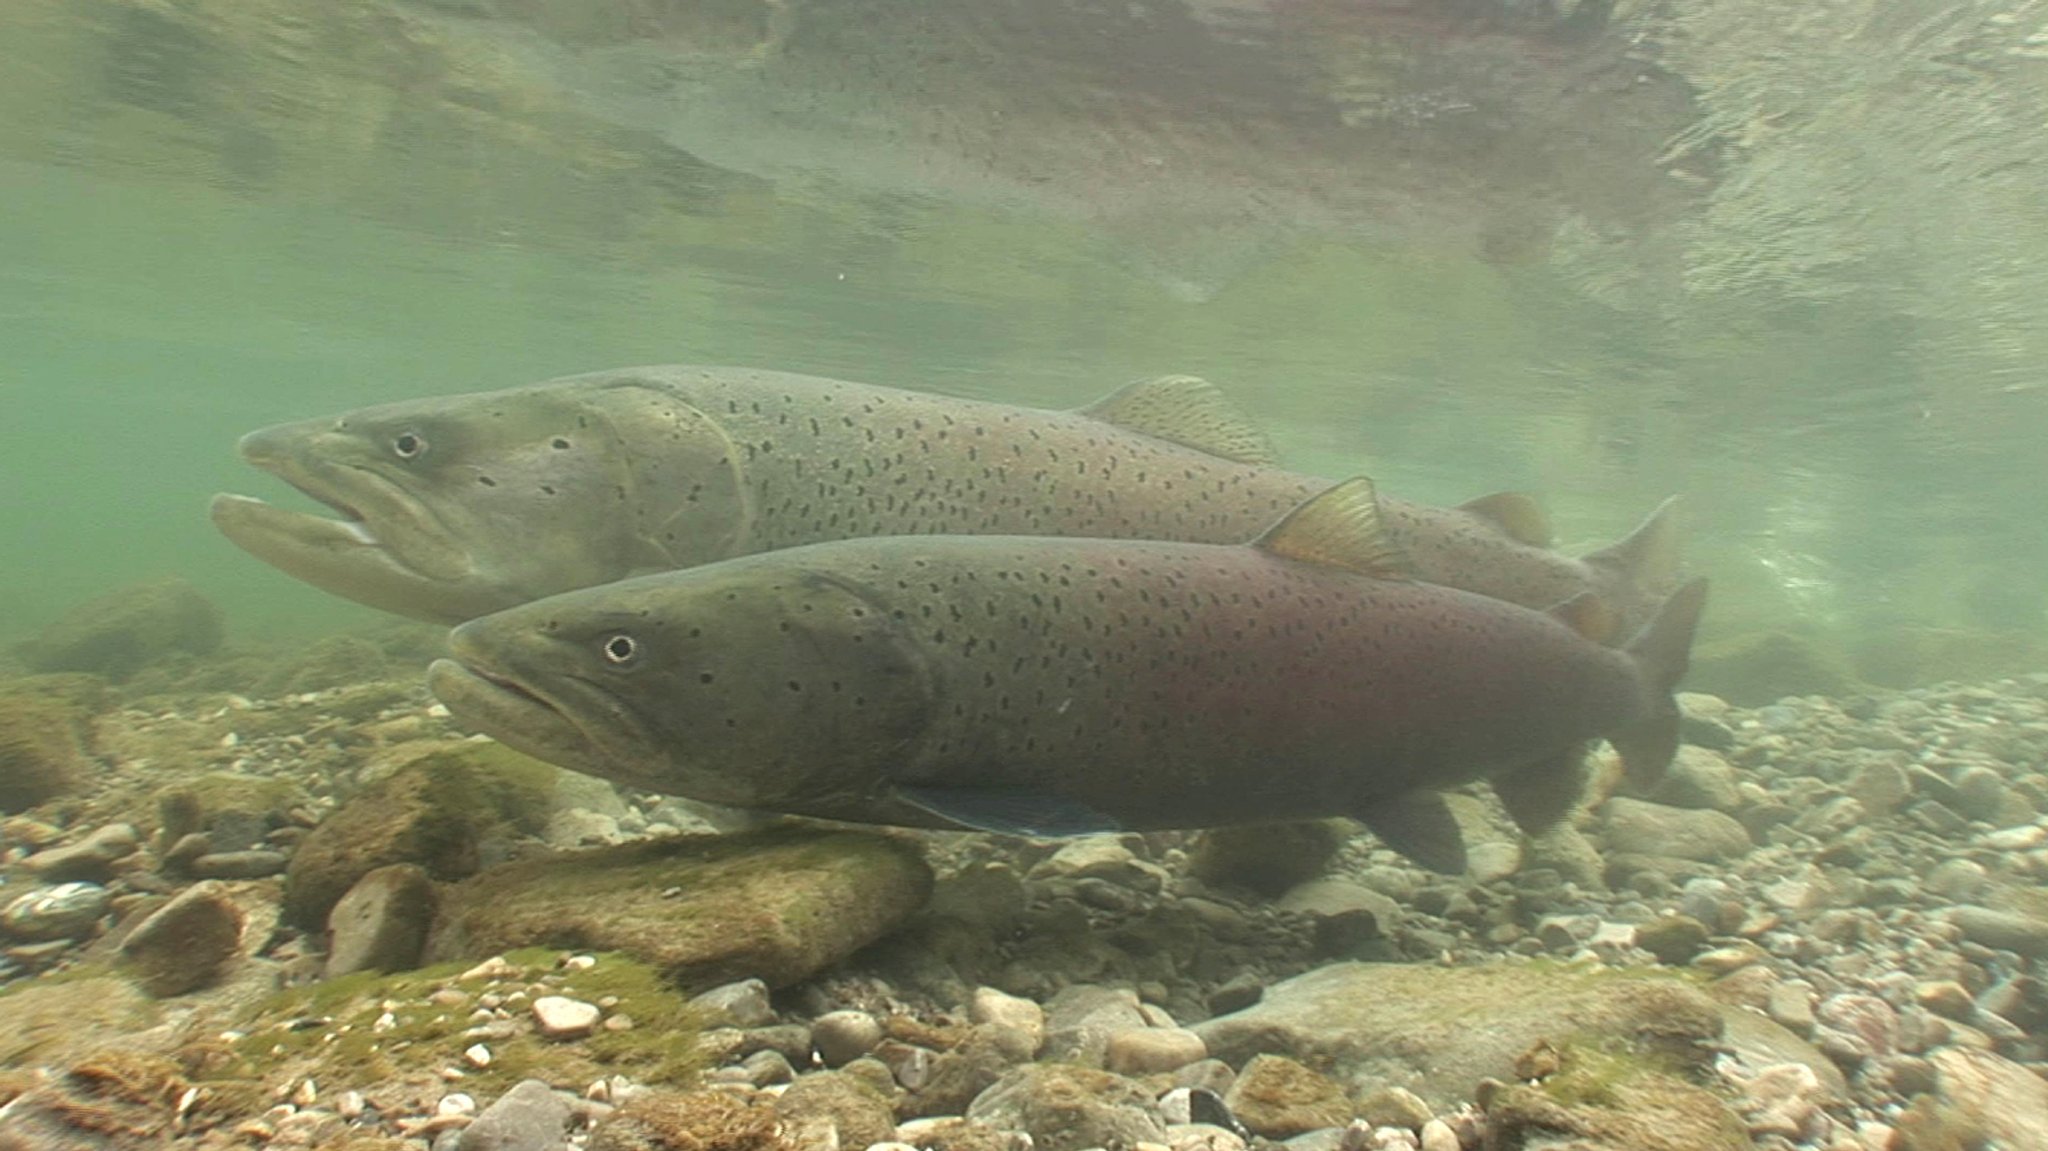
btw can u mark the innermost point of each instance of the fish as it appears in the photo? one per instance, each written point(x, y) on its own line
point(454, 507)
point(1050, 686)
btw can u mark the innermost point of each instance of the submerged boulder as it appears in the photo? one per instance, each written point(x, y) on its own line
point(435, 811)
point(42, 756)
point(118, 634)
point(1759, 668)
point(1439, 1031)
point(778, 905)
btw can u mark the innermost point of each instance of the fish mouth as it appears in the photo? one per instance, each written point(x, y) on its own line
point(559, 717)
point(382, 547)
point(516, 716)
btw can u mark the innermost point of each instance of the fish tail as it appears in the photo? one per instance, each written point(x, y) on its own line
point(1643, 563)
point(1661, 651)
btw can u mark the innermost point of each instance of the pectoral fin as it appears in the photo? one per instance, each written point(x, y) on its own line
point(1420, 826)
point(1541, 794)
point(1009, 812)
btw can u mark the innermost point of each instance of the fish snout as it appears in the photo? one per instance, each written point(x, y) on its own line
point(268, 447)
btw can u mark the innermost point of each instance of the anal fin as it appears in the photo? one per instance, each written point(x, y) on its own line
point(1420, 826)
point(1006, 811)
point(1539, 795)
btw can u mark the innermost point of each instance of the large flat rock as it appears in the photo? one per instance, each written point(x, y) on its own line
point(778, 905)
point(1438, 1031)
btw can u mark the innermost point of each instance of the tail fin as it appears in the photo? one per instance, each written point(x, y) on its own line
point(1661, 651)
point(1643, 563)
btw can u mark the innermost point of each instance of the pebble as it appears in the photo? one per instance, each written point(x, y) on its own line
point(561, 1018)
point(92, 858)
point(840, 1037)
point(741, 1004)
point(251, 864)
point(1152, 1050)
point(59, 911)
point(2004, 930)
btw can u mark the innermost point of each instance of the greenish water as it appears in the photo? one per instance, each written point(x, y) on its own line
point(229, 215)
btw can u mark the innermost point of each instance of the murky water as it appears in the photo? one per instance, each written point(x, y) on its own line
point(230, 213)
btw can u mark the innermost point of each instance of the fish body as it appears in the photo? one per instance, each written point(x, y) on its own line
point(457, 506)
point(1052, 686)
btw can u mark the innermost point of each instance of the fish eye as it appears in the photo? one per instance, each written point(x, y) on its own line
point(621, 650)
point(409, 445)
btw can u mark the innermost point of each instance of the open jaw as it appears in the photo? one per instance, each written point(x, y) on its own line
point(342, 556)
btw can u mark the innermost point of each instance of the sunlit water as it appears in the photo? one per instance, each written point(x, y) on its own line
point(165, 287)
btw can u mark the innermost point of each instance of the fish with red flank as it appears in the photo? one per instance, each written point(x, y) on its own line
point(1048, 686)
point(456, 506)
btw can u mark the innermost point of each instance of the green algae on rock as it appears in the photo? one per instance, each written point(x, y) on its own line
point(779, 905)
point(434, 811)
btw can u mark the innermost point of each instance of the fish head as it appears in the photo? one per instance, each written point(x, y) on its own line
point(746, 684)
point(457, 506)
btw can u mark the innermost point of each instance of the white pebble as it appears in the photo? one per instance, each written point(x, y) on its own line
point(478, 1055)
point(560, 1017)
point(455, 1103)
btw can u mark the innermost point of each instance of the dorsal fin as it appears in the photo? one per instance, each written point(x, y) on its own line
point(1189, 411)
point(1342, 528)
point(1516, 513)
point(1590, 616)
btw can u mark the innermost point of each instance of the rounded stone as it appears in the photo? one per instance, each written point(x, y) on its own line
point(60, 911)
point(1151, 1050)
point(187, 943)
point(560, 1017)
point(840, 1037)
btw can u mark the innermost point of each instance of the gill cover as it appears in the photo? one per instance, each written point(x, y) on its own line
point(755, 684)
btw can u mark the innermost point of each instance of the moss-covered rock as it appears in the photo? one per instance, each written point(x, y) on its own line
point(41, 754)
point(187, 943)
point(1759, 668)
point(434, 811)
point(118, 634)
point(779, 905)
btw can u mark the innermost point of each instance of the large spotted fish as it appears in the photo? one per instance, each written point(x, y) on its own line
point(1049, 686)
point(456, 506)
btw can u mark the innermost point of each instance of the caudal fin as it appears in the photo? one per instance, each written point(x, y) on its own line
point(1641, 565)
point(1661, 650)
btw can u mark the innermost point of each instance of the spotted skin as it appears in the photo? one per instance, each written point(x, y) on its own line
point(584, 480)
point(1161, 684)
